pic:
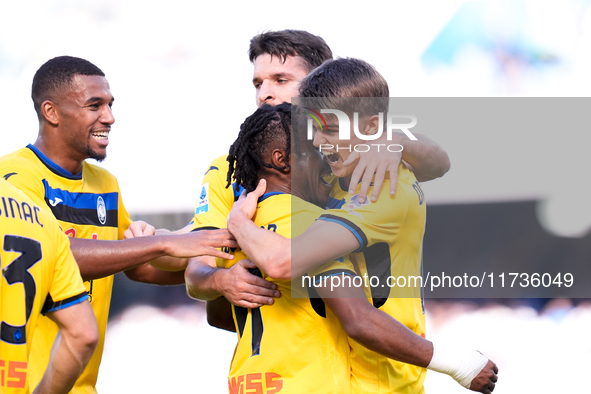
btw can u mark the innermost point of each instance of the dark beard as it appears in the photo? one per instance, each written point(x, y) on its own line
point(93, 155)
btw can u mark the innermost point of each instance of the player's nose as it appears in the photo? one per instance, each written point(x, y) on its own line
point(266, 94)
point(107, 116)
point(319, 139)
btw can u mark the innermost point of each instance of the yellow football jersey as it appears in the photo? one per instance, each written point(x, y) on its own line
point(295, 345)
point(215, 199)
point(87, 205)
point(390, 232)
point(39, 275)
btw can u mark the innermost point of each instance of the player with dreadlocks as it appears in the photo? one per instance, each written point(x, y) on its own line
point(281, 59)
point(256, 134)
point(311, 340)
point(383, 238)
point(309, 335)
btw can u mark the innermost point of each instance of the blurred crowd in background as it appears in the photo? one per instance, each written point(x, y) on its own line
point(181, 78)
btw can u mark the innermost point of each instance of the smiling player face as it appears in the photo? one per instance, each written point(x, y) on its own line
point(335, 150)
point(86, 117)
point(308, 170)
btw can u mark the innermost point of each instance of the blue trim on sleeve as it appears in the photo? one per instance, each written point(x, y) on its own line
point(71, 303)
point(356, 231)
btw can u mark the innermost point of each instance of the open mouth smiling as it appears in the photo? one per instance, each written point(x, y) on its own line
point(100, 134)
point(332, 157)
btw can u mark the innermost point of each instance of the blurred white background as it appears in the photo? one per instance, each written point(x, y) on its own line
point(180, 74)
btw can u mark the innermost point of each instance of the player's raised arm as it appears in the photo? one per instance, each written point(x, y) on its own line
point(115, 256)
point(424, 156)
point(321, 242)
point(72, 348)
point(381, 333)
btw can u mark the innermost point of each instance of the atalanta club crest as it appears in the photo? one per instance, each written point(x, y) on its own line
point(101, 210)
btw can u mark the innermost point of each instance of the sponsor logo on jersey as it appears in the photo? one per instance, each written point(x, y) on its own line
point(9, 175)
point(203, 202)
point(55, 201)
point(263, 383)
point(83, 208)
point(101, 210)
point(13, 374)
point(211, 168)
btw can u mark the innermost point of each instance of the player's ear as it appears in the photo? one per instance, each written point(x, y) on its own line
point(49, 112)
point(278, 157)
point(372, 125)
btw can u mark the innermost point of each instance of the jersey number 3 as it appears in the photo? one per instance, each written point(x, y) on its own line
point(17, 272)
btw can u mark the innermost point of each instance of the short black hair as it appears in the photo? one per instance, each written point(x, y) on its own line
point(312, 49)
point(57, 74)
point(344, 78)
point(268, 126)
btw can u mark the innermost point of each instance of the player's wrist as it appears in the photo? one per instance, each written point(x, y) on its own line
point(231, 222)
point(219, 281)
point(165, 245)
point(236, 220)
point(462, 365)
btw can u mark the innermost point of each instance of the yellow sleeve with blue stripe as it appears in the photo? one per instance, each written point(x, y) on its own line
point(215, 199)
point(380, 221)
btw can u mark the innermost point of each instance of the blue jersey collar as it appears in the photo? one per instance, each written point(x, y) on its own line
point(267, 195)
point(52, 166)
